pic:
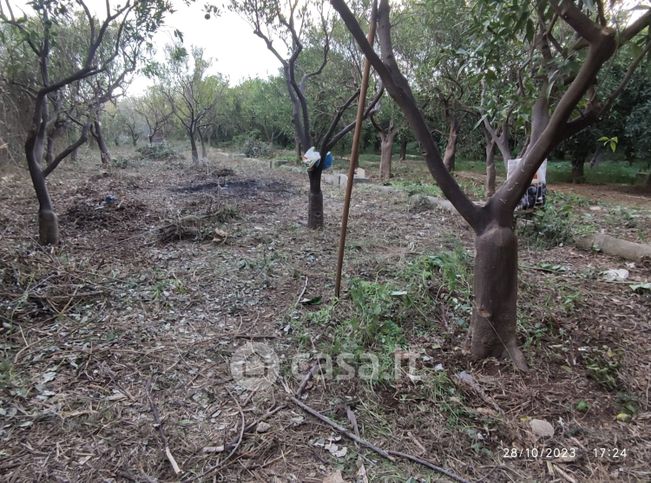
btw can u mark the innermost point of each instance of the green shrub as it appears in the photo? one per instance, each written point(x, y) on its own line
point(555, 224)
point(120, 162)
point(254, 148)
point(158, 152)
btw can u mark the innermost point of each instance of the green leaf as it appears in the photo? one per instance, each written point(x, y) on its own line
point(530, 30)
point(582, 406)
point(641, 287)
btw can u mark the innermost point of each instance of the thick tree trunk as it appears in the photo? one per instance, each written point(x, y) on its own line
point(451, 146)
point(578, 172)
point(315, 200)
point(490, 168)
point(193, 146)
point(493, 326)
point(403, 149)
point(386, 153)
point(48, 222)
point(105, 155)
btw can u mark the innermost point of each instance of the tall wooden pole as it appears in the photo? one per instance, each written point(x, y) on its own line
point(354, 153)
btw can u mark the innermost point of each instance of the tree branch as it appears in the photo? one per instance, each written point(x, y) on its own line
point(371, 109)
point(67, 152)
point(399, 89)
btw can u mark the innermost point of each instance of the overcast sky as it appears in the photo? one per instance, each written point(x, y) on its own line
point(236, 52)
point(229, 40)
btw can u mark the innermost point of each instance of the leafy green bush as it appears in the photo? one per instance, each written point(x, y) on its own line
point(254, 148)
point(555, 224)
point(120, 162)
point(159, 152)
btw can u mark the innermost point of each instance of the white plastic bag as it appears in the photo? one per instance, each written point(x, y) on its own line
point(311, 158)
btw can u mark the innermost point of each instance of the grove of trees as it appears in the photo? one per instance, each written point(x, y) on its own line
point(464, 79)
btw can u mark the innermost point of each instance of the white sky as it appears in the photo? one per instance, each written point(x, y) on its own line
point(228, 40)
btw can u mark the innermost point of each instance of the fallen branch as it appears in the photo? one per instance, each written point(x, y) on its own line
point(615, 246)
point(386, 454)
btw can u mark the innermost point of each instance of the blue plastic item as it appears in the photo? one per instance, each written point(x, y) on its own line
point(329, 159)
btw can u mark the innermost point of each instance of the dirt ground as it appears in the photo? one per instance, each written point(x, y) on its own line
point(118, 344)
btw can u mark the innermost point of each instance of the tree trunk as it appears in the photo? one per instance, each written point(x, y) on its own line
point(299, 151)
point(204, 153)
point(49, 150)
point(451, 146)
point(193, 146)
point(578, 173)
point(386, 148)
point(48, 222)
point(403, 149)
point(315, 200)
point(105, 155)
point(493, 325)
point(490, 168)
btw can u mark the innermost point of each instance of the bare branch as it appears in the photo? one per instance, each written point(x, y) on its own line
point(371, 109)
point(67, 152)
point(399, 89)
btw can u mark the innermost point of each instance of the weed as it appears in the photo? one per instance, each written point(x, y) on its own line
point(417, 187)
point(439, 390)
point(120, 162)
point(549, 226)
point(602, 366)
point(470, 186)
point(373, 326)
point(164, 287)
point(455, 273)
point(582, 406)
point(627, 403)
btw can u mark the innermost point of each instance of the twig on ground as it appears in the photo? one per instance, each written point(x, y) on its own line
point(386, 454)
point(341, 429)
point(315, 367)
point(352, 419)
point(159, 425)
point(240, 436)
point(300, 296)
point(251, 426)
point(255, 336)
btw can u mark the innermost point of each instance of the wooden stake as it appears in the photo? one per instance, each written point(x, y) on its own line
point(354, 153)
